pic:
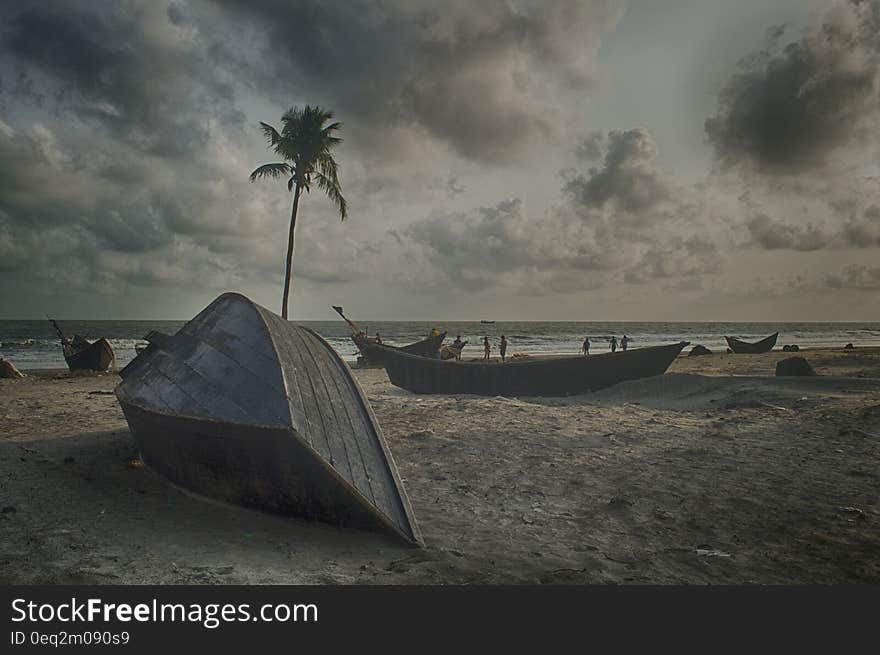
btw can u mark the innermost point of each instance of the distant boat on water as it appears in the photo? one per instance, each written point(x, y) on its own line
point(487, 322)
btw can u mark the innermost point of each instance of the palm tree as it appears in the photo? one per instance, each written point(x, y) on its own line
point(305, 144)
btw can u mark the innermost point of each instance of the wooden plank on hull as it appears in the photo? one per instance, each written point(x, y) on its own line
point(377, 458)
point(338, 427)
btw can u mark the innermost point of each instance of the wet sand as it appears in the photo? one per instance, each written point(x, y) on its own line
point(715, 473)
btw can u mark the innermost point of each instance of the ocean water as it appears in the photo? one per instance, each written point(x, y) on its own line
point(34, 344)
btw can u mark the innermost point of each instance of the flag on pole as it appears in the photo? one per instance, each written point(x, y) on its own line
point(354, 326)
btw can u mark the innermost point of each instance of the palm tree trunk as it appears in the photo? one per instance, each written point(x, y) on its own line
point(289, 270)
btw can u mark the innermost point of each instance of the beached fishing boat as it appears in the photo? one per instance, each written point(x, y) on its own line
point(80, 354)
point(371, 355)
point(762, 346)
point(245, 407)
point(551, 376)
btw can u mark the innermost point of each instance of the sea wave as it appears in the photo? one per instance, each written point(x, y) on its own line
point(33, 344)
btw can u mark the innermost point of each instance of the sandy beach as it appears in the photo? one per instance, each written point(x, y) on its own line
point(716, 473)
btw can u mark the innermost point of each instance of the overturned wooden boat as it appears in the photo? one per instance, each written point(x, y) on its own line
point(245, 407)
point(80, 354)
point(551, 376)
point(762, 346)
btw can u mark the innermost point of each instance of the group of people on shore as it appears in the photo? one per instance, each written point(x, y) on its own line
point(612, 343)
point(502, 348)
point(458, 345)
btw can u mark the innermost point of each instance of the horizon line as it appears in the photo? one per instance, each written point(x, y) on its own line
point(493, 321)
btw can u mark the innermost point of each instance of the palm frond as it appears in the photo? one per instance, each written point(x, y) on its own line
point(328, 167)
point(273, 171)
point(334, 191)
point(270, 133)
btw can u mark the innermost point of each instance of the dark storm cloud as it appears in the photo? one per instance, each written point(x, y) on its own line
point(790, 107)
point(856, 276)
point(120, 65)
point(504, 245)
point(774, 235)
point(117, 139)
point(628, 177)
point(837, 213)
point(454, 187)
point(688, 259)
point(864, 231)
point(123, 140)
point(481, 77)
point(41, 187)
point(622, 223)
point(558, 252)
point(590, 147)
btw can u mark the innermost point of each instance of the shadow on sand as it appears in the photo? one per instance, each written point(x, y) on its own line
point(80, 509)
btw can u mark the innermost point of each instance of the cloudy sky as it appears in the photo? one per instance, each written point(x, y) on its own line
point(594, 160)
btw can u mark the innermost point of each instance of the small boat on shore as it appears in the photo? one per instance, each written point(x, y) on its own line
point(371, 351)
point(80, 354)
point(551, 376)
point(743, 347)
point(242, 406)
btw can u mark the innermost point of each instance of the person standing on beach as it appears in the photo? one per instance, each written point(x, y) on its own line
point(458, 346)
point(378, 338)
point(586, 346)
point(458, 342)
point(502, 347)
point(623, 342)
point(613, 344)
point(486, 348)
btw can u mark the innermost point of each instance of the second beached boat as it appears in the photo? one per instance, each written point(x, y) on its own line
point(245, 407)
point(551, 376)
point(373, 353)
point(80, 354)
point(371, 349)
point(762, 346)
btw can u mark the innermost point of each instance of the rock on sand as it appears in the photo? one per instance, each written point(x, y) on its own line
point(794, 366)
point(8, 370)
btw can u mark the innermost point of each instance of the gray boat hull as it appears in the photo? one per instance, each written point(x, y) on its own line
point(556, 376)
point(245, 407)
point(261, 467)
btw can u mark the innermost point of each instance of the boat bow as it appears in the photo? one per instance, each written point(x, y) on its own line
point(243, 405)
